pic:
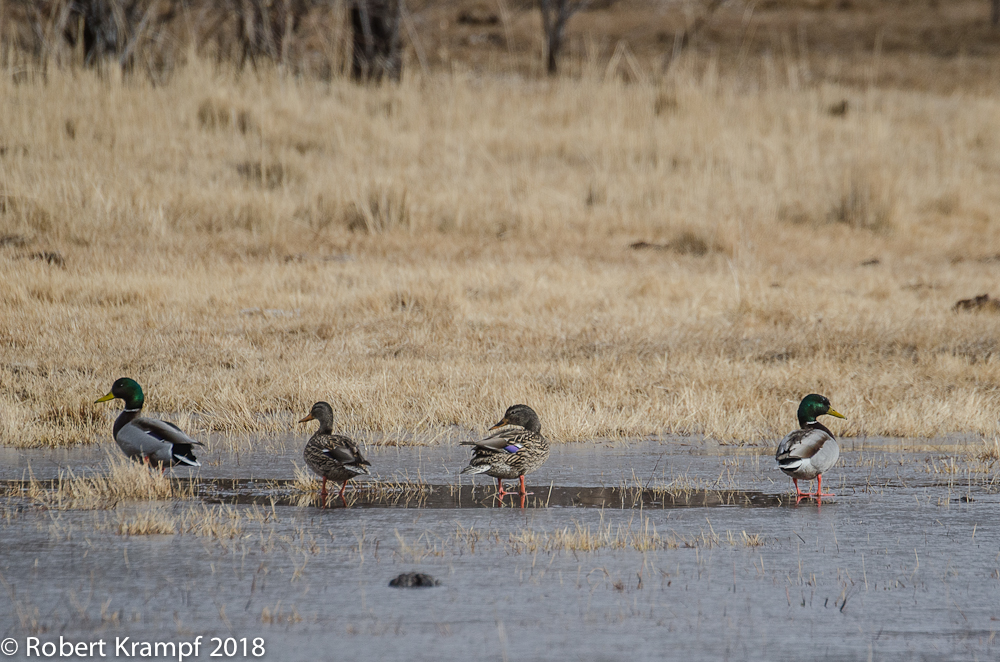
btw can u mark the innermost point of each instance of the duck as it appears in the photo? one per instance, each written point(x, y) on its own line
point(332, 456)
point(516, 450)
point(808, 452)
point(144, 439)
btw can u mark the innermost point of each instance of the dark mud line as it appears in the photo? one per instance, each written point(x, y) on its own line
point(450, 497)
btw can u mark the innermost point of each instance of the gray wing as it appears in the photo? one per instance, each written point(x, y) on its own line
point(500, 441)
point(164, 431)
point(337, 447)
point(136, 443)
point(148, 437)
point(340, 454)
point(801, 444)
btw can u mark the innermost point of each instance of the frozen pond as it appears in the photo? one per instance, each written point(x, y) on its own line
point(650, 549)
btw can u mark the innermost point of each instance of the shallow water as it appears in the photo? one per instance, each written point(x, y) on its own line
point(662, 549)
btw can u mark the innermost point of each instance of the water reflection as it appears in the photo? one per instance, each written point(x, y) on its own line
point(444, 496)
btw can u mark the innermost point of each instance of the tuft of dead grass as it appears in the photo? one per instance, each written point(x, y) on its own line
point(382, 210)
point(279, 615)
point(865, 202)
point(122, 481)
point(990, 451)
point(146, 524)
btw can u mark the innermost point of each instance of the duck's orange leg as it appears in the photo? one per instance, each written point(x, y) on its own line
point(819, 488)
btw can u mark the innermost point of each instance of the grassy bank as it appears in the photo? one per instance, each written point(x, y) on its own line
point(687, 256)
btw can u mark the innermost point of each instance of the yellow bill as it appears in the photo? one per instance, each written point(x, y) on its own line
point(836, 414)
point(109, 396)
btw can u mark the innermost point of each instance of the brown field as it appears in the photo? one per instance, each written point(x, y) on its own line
point(424, 255)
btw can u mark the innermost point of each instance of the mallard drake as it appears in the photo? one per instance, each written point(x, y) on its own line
point(148, 439)
point(332, 456)
point(806, 453)
point(512, 452)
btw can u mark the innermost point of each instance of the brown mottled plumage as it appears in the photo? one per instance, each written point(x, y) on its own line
point(332, 456)
point(512, 452)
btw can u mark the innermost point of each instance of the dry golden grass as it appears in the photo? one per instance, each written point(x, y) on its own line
point(221, 522)
point(122, 481)
point(423, 256)
point(638, 536)
point(634, 535)
point(279, 615)
point(149, 523)
point(989, 452)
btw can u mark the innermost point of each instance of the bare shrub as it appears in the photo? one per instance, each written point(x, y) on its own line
point(266, 28)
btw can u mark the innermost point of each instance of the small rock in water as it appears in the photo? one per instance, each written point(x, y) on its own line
point(414, 580)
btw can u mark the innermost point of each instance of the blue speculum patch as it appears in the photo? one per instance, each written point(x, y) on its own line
point(512, 448)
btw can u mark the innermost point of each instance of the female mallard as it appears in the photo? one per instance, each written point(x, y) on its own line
point(147, 439)
point(332, 456)
point(512, 452)
point(809, 451)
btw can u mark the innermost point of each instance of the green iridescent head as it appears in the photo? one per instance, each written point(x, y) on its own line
point(814, 405)
point(126, 389)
